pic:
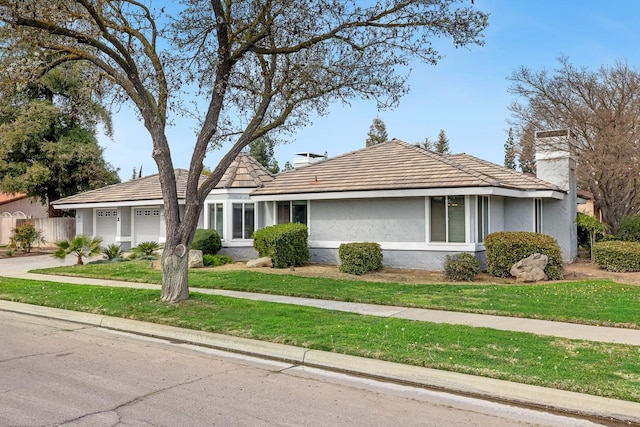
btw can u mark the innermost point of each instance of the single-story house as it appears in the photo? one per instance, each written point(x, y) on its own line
point(14, 207)
point(418, 205)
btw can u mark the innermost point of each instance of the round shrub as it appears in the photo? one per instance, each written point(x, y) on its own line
point(461, 267)
point(505, 248)
point(617, 256)
point(286, 244)
point(206, 240)
point(360, 258)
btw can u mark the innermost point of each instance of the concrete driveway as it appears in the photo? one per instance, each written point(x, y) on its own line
point(21, 264)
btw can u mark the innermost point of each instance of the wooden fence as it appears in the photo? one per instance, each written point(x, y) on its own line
point(53, 229)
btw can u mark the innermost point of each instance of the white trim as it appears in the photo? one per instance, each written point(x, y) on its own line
point(404, 246)
point(425, 192)
point(121, 239)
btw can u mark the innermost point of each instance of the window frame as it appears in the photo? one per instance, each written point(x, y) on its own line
point(538, 222)
point(448, 214)
point(482, 217)
point(243, 222)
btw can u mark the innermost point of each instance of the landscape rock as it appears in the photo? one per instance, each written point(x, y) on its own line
point(156, 265)
point(260, 262)
point(195, 259)
point(530, 269)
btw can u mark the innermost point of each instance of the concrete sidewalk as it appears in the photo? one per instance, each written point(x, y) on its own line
point(517, 324)
point(521, 394)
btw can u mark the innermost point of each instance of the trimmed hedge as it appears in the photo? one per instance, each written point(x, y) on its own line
point(617, 255)
point(360, 258)
point(505, 248)
point(286, 244)
point(461, 267)
point(206, 240)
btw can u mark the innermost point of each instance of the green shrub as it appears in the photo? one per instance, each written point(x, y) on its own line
point(360, 258)
point(617, 255)
point(25, 236)
point(629, 228)
point(286, 244)
point(206, 240)
point(461, 267)
point(215, 260)
point(112, 251)
point(146, 249)
point(505, 248)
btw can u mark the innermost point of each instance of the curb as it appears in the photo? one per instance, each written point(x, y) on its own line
point(549, 399)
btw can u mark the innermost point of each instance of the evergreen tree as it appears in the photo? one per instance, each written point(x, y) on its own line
point(527, 155)
point(262, 150)
point(427, 144)
point(287, 166)
point(442, 144)
point(510, 151)
point(377, 133)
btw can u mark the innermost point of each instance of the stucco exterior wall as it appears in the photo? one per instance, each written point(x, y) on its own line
point(84, 221)
point(32, 208)
point(518, 215)
point(496, 214)
point(239, 253)
point(375, 220)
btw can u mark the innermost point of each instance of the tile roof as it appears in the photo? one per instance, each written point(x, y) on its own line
point(8, 198)
point(396, 165)
point(244, 172)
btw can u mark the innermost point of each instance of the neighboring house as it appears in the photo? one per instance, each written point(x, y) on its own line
point(14, 207)
point(132, 212)
point(418, 205)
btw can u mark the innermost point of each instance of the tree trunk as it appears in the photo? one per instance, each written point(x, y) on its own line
point(175, 273)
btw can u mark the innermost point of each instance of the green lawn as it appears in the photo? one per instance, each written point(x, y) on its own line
point(595, 368)
point(597, 302)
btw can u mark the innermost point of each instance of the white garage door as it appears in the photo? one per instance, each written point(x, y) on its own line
point(146, 225)
point(107, 225)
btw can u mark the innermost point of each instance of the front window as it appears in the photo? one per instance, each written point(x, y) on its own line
point(483, 217)
point(243, 220)
point(447, 219)
point(295, 211)
point(537, 215)
point(216, 218)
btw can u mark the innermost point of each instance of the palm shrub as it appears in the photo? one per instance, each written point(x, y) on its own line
point(112, 251)
point(461, 267)
point(146, 249)
point(82, 246)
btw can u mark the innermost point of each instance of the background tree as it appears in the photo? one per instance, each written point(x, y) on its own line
point(48, 146)
point(261, 66)
point(442, 143)
point(377, 133)
point(427, 144)
point(287, 166)
point(262, 150)
point(527, 151)
point(601, 107)
point(510, 151)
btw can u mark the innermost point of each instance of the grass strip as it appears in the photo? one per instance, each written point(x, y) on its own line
point(594, 302)
point(602, 369)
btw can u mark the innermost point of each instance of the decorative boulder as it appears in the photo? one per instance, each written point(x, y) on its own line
point(260, 262)
point(530, 269)
point(156, 265)
point(195, 259)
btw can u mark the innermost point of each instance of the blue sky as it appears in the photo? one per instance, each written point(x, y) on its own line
point(465, 94)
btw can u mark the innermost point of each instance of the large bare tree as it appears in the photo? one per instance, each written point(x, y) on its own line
point(261, 66)
point(603, 109)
